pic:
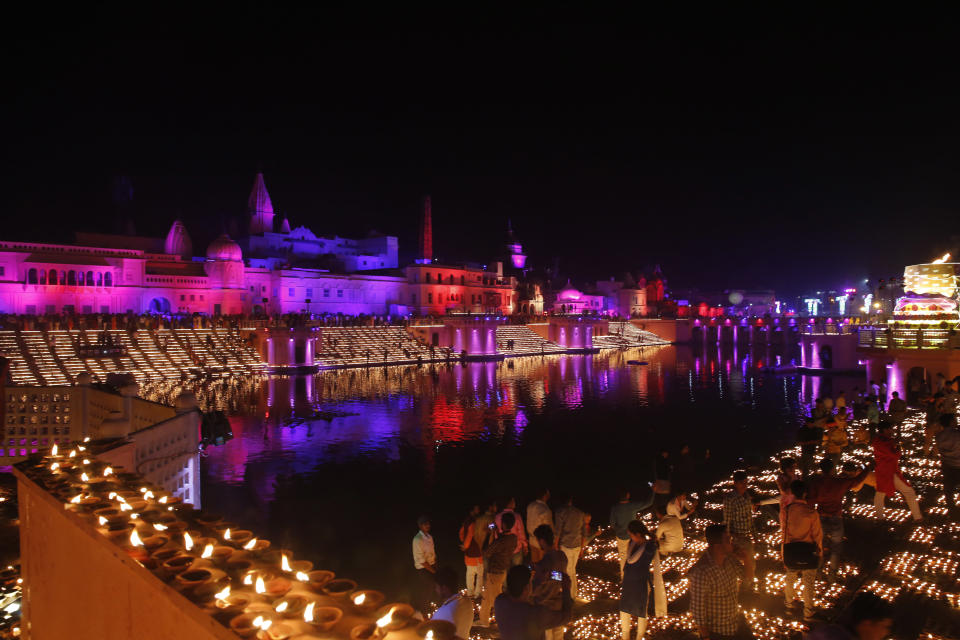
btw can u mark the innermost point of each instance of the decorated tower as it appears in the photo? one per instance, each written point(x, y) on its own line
point(425, 253)
point(514, 248)
point(259, 208)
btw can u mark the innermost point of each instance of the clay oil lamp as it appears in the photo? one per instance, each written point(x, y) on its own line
point(177, 565)
point(243, 624)
point(237, 566)
point(192, 578)
point(364, 631)
point(316, 579)
point(366, 600)
point(169, 500)
point(394, 616)
point(276, 631)
point(437, 630)
point(221, 555)
point(222, 529)
point(232, 602)
point(275, 587)
point(256, 546)
point(136, 549)
point(322, 618)
point(208, 519)
point(339, 587)
point(237, 537)
point(117, 530)
point(291, 606)
point(165, 553)
point(155, 541)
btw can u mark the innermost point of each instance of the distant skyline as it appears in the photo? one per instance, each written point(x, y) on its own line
point(791, 160)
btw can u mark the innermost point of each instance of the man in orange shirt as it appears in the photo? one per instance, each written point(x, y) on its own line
point(801, 523)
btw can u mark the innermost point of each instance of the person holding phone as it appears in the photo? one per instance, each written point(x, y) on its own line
point(635, 589)
point(549, 576)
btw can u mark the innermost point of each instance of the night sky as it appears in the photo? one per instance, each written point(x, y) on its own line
point(787, 157)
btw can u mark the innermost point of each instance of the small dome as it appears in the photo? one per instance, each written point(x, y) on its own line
point(223, 248)
point(570, 294)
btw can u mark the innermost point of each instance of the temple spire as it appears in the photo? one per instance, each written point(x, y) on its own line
point(425, 254)
point(259, 207)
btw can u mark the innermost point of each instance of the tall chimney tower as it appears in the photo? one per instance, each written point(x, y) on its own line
point(425, 255)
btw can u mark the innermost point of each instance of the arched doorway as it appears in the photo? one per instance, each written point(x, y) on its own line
point(159, 305)
point(917, 383)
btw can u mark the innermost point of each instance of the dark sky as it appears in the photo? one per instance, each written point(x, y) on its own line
point(787, 156)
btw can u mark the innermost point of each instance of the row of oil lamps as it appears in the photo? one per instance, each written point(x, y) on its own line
point(255, 590)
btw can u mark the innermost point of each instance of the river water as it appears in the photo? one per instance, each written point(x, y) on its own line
point(338, 466)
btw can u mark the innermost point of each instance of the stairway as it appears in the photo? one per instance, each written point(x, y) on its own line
point(350, 346)
point(45, 366)
point(20, 371)
point(526, 342)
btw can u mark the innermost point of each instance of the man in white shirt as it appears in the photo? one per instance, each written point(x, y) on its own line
point(455, 606)
point(680, 507)
point(425, 562)
point(669, 534)
point(538, 513)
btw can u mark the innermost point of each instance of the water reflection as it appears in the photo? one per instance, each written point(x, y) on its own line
point(326, 463)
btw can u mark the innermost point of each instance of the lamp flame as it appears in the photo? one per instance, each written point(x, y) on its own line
point(160, 527)
point(53, 451)
point(285, 563)
point(73, 454)
point(54, 466)
point(283, 606)
point(222, 595)
point(135, 539)
point(187, 541)
point(108, 472)
point(387, 619)
point(86, 439)
point(359, 599)
point(125, 507)
point(302, 577)
point(163, 500)
point(86, 461)
point(103, 521)
point(207, 551)
point(258, 621)
point(148, 495)
point(76, 499)
point(308, 613)
point(85, 477)
point(429, 635)
point(226, 534)
point(942, 259)
point(260, 587)
point(251, 544)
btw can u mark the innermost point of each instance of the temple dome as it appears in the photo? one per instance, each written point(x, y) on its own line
point(178, 242)
point(570, 294)
point(223, 248)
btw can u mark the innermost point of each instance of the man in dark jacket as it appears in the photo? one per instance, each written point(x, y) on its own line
point(499, 556)
point(517, 618)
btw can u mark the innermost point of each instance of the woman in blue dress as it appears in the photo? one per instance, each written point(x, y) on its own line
point(635, 590)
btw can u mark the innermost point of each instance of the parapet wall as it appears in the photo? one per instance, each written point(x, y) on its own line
point(80, 585)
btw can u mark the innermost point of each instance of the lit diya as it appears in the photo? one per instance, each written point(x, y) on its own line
point(243, 625)
point(437, 630)
point(193, 578)
point(291, 606)
point(366, 600)
point(323, 618)
point(364, 631)
point(394, 616)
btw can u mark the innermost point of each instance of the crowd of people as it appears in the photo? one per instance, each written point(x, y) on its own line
point(524, 567)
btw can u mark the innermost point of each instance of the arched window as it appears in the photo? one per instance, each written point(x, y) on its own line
point(99, 279)
point(63, 277)
point(108, 279)
point(89, 278)
point(72, 278)
point(32, 276)
point(426, 278)
point(43, 276)
point(52, 277)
